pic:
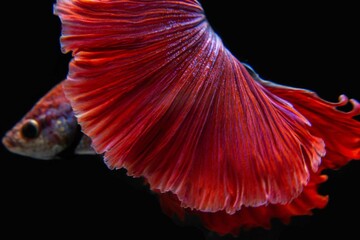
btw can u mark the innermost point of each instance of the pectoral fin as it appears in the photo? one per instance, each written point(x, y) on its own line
point(84, 146)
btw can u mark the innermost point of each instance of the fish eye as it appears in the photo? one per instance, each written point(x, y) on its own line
point(30, 129)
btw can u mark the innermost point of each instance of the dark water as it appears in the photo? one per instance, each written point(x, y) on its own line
point(314, 47)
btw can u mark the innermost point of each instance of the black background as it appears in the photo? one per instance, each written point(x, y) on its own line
point(298, 44)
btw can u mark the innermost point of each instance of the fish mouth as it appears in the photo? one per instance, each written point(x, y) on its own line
point(8, 142)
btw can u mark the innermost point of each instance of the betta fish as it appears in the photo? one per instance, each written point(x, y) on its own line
point(157, 92)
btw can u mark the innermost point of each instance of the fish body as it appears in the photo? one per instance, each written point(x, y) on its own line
point(49, 129)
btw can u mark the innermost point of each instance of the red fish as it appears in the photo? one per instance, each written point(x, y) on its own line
point(158, 93)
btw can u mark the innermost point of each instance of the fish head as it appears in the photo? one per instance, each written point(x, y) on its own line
point(43, 133)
